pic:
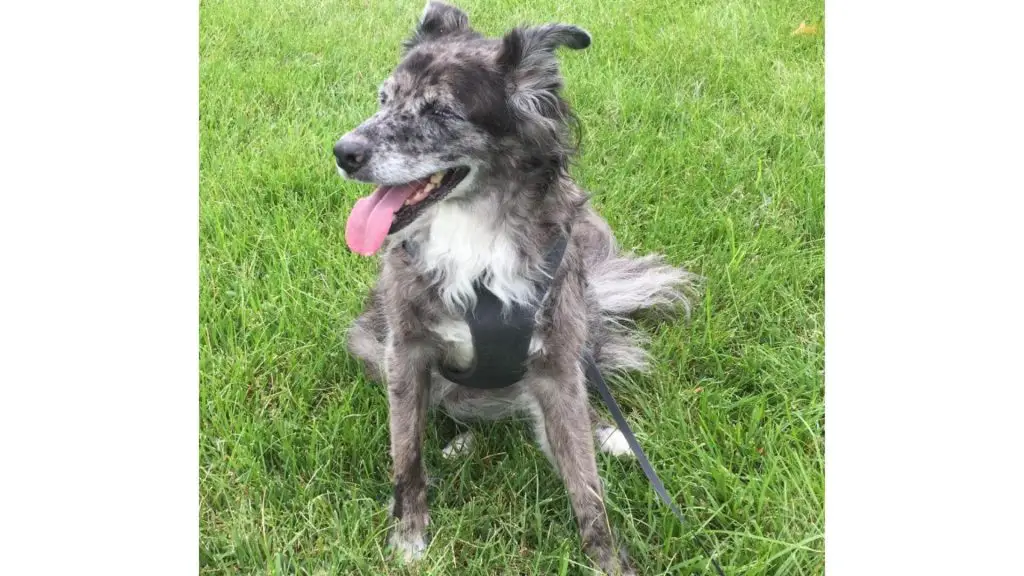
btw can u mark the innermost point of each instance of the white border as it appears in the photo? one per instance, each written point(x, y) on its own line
point(99, 228)
point(923, 290)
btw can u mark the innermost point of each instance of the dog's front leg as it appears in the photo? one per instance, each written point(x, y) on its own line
point(562, 398)
point(408, 379)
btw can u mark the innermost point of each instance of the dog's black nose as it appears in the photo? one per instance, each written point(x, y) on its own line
point(352, 153)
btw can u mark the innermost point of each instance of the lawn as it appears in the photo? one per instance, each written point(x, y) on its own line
point(703, 139)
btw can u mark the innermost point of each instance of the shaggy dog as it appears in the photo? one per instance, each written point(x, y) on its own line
point(470, 151)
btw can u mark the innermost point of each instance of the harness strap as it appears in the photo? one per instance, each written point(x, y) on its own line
point(501, 337)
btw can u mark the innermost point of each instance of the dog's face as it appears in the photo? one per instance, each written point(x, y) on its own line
point(455, 101)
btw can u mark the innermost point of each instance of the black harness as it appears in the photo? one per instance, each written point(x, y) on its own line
point(501, 341)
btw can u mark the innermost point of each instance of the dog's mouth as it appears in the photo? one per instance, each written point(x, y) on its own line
point(393, 207)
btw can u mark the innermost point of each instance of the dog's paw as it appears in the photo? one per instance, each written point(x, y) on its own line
point(408, 537)
point(459, 446)
point(611, 440)
point(408, 547)
point(623, 566)
point(627, 568)
point(612, 563)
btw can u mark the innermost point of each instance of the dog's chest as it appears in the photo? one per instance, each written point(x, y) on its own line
point(460, 249)
point(457, 343)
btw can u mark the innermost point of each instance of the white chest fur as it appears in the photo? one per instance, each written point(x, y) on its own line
point(458, 343)
point(462, 245)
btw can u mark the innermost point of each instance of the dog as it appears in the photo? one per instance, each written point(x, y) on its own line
point(470, 152)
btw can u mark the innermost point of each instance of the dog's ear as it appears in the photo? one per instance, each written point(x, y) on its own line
point(527, 60)
point(438, 19)
point(525, 46)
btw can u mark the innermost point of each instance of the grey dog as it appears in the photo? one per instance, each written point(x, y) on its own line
point(470, 151)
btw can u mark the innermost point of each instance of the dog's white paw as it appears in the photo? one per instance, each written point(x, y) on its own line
point(611, 440)
point(459, 446)
point(408, 548)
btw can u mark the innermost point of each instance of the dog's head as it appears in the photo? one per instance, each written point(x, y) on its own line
point(458, 107)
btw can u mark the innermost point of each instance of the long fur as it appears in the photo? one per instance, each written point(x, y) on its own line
point(494, 106)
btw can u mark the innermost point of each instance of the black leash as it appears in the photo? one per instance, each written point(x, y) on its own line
point(595, 378)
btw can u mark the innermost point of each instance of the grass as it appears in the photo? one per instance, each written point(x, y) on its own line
point(703, 140)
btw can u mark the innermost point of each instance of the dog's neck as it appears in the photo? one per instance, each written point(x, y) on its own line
point(464, 243)
point(496, 236)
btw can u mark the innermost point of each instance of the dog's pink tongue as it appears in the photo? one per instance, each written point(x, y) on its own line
point(371, 217)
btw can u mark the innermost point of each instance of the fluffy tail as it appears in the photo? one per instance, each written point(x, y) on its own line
point(625, 286)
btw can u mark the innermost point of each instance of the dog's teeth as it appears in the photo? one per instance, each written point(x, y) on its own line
point(429, 187)
point(436, 178)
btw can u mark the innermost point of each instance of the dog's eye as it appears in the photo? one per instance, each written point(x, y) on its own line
point(439, 110)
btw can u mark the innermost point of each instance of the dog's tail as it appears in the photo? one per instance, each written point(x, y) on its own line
point(365, 338)
point(626, 286)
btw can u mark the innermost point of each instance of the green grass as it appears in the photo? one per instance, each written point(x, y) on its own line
point(703, 139)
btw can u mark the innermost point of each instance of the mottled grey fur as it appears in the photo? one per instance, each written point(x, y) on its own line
point(494, 105)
